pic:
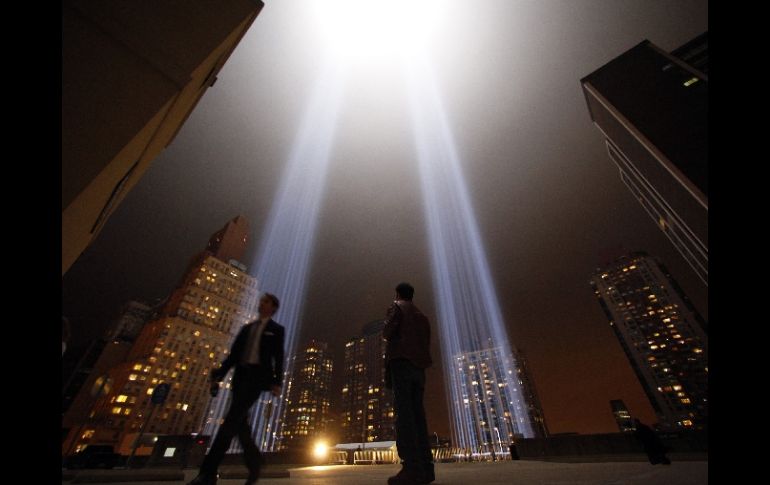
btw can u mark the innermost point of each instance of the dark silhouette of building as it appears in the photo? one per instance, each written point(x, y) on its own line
point(652, 108)
point(621, 415)
point(662, 335)
point(367, 407)
point(132, 72)
point(308, 397)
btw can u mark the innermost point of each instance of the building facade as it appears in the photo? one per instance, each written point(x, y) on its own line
point(307, 409)
point(191, 334)
point(131, 75)
point(652, 109)
point(367, 407)
point(662, 335)
point(490, 404)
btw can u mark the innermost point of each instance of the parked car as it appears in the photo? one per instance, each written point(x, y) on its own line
point(94, 456)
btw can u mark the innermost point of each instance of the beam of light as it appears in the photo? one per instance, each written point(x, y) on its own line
point(283, 259)
point(374, 31)
point(474, 340)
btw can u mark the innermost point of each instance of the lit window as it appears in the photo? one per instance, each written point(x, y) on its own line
point(690, 82)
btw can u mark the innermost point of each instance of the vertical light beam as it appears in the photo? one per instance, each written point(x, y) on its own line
point(283, 259)
point(469, 318)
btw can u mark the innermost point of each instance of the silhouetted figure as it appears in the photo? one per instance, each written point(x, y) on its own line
point(407, 355)
point(257, 355)
point(652, 445)
point(512, 449)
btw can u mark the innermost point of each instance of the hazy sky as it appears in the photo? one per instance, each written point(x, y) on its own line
point(549, 202)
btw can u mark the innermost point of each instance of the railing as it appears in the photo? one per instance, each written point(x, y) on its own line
point(373, 457)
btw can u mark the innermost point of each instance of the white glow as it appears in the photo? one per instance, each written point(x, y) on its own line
point(375, 31)
point(474, 339)
point(320, 450)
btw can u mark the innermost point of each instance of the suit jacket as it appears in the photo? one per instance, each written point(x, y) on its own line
point(269, 371)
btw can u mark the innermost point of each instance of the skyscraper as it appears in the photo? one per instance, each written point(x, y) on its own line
point(367, 407)
point(531, 397)
point(308, 397)
point(662, 335)
point(621, 415)
point(652, 109)
point(496, 418)
point(131, 75)
point(191, 335)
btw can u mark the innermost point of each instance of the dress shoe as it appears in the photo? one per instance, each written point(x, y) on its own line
point(203, 479)
point(252, 478)
point(406, 477)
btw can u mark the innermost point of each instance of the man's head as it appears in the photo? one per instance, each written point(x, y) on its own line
point(405, 291)
point(268, 305)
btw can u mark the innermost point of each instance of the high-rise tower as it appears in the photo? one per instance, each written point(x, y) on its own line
point(662, 335)
point(191, 334)
point(367, 407)
point(308, 396)
point(652, 109)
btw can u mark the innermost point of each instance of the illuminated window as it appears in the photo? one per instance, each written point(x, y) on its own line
point(690, 82)
point(122, 398)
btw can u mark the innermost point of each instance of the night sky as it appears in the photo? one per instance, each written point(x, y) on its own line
point(549, 202)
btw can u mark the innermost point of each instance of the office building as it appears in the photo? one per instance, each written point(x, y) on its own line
point(652, 109)
point(662, 335)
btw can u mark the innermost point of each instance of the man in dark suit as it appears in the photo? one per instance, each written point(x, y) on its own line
point(407, 355)
point(257, 355)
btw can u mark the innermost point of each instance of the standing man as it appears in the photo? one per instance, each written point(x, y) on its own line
point(257, 355)
point(407, 355)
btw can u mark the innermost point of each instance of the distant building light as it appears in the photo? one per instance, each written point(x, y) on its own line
point(691, 81)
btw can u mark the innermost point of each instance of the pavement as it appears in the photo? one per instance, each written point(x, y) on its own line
point(524, 472)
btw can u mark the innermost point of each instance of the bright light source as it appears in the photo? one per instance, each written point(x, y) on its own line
point(376, 30)
point(320, 450)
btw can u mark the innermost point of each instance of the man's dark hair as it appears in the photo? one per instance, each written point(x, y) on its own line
point(273, 299)
point(405, 291)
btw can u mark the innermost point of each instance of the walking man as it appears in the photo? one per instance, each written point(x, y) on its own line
point(257, 355)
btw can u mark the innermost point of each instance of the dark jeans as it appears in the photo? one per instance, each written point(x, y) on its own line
point(408, 383)
point(235, 423)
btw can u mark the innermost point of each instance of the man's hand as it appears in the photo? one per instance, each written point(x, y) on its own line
point(276, 390)
point(217, 375)
point(214, 388)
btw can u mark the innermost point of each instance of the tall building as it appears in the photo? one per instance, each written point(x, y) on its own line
point(662, 335)
point(531, 397)
point(490, 402)
point(89, 375)
point(132, 72)
point(367, 407)
point(652, 109)
point(622, 416)
point(308, 397)
point(132, 318)
point(191, 334)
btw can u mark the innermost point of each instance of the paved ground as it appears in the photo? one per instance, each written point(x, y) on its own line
point(507, 472)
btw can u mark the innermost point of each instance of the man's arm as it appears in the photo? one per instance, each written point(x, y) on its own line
point(278, 365)
point(220, 373)
point(392, 320)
